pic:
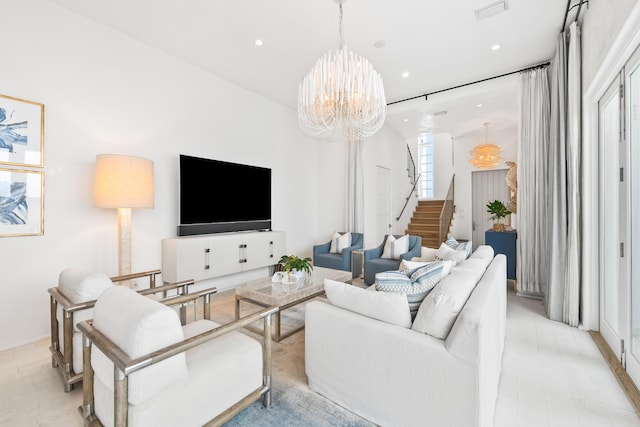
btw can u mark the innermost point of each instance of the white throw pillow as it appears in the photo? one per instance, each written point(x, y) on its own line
point(334, 243)
point(393, 247)
point(428, 254)
point(388, 307)
point(411, 265)
point(445, 253)
point(339, 242)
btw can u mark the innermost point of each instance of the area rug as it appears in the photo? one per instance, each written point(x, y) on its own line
point(293, 403)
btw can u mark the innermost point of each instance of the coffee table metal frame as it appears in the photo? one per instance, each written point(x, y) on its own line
point(263, 299)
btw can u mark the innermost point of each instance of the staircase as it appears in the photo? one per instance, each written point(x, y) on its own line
point(425, 222)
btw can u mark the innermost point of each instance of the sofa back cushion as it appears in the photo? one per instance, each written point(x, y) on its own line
point(441, 306)
point(388, 307)
point(138, 325)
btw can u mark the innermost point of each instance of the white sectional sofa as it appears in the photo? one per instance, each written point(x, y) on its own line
point(393, 375)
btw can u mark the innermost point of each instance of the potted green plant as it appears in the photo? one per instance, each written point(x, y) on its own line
point(294, 265)
point(498, 211)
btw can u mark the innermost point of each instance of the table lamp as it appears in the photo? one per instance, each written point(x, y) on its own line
point(125, 183)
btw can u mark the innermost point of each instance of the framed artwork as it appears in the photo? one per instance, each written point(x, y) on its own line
point(21, 203)
point(21, 132)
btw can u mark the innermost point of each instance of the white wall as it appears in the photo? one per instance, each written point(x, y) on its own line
point(443, 164)
point(601, 23)
point(506, 139)
point(107, 93)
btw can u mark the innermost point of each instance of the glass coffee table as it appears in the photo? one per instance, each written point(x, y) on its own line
point(265, 293)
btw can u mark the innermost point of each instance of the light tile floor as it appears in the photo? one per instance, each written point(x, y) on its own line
point(552, 375)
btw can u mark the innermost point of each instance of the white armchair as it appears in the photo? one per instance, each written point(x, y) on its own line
point(143, 368)
point(73, 299)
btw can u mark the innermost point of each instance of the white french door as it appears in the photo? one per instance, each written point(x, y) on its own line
point(619, 128)
point(632, 180)
point(613, 313)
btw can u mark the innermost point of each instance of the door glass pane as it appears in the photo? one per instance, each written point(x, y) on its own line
point(634, 198)
point(610, 128)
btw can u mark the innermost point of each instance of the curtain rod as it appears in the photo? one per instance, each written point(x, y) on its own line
point(566, 13)
point(426, 95)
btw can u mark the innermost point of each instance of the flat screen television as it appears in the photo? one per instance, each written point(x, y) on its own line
point(218, 197)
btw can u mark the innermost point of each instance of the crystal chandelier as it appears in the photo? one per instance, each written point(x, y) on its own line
point(485, 156)
point(342, 90)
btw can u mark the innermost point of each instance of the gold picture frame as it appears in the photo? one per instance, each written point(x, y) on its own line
point(21, 202)
point(21, 132)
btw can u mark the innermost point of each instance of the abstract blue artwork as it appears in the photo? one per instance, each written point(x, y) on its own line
point(21, 202)
point(21, 132)
point(13, 207)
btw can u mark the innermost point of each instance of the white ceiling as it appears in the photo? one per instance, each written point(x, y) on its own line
point(438, 42)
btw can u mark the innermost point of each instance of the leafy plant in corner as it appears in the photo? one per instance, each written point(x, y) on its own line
point(290, 263)
point(498, 211)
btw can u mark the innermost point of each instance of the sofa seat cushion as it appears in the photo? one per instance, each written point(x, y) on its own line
point(329, 260)
point(385, 306)
point(139, 326)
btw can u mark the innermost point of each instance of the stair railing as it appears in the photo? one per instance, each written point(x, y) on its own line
point(411, 169)
point(448, 207)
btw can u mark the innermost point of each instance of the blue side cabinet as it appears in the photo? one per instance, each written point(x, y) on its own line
point(504, 242)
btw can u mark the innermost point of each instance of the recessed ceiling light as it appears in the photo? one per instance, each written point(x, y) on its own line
point(405, 74)
point(405, 120)
point(480, 105)
point(495, 47)
point(258, 42)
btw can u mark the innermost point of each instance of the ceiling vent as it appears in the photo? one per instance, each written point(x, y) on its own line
point(491, 9)
point(440, 113)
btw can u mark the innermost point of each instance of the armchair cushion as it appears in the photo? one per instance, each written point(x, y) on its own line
point(139, 326)
point(79, 286)
point(394, 248)
point(339, 242)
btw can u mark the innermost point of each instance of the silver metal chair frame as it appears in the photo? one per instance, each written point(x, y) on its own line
point(123, 366)
point(62, 352)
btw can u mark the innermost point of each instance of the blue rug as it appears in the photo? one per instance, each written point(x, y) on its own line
point(294, 405)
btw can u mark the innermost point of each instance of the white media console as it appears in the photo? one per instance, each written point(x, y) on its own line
point(213, 255)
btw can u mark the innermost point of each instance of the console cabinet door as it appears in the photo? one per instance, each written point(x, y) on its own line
point(224, 255)
point(262, 249)
point(185, 259)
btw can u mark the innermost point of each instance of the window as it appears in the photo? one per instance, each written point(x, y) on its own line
point(425, 167)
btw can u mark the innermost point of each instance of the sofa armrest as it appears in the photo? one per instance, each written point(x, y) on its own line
point(373, 252)
point(321, 249)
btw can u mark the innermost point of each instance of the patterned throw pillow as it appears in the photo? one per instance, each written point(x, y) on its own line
point(452, 243)
point(416, 284)
point(340, 242)
point(393, 247)
point(465, 247)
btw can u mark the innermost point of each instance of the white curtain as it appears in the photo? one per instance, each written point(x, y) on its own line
point(355, 184)
point(562, 294)
point(533, 136)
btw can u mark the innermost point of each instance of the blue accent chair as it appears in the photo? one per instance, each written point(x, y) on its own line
point(374, 264)
point(323, 258)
